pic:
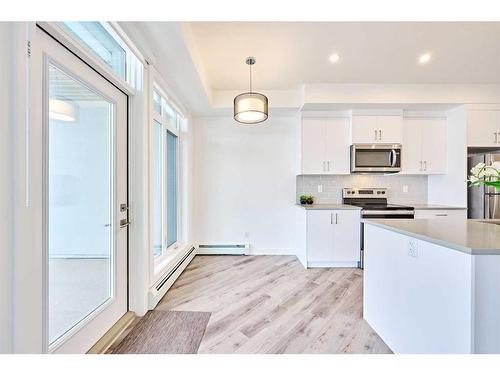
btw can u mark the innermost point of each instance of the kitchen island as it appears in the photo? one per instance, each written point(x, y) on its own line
point(433, 286)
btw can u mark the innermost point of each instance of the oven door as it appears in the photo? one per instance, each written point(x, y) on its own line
point(376, 158)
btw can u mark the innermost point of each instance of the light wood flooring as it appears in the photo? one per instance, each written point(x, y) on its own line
point(271, 304)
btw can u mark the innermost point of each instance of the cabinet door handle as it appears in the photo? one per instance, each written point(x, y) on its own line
point(324, 168)
point(496, 137)
point(336, 218)
point(375, 135)
point(420, 165)
point(441, 214)
point(425, 165)
point(331, 218)
point(328, 165)
point(380, 135)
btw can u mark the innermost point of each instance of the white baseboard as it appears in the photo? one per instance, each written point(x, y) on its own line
point(332, 264)
point(157, 292)
point(240, 249)
point(254, 251)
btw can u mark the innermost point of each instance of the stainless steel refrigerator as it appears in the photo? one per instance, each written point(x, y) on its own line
point(483, 202)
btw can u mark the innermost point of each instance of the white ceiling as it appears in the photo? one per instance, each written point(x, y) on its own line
point(292, 53)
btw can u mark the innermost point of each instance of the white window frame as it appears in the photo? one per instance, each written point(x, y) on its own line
point(158, 264)
point(133, 56)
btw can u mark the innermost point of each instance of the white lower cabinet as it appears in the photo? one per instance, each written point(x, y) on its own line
point(332, 238)
point(440, 214)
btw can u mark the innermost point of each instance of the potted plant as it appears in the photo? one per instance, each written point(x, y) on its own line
point(488, 175)
point(303, 199)
point(310, 199)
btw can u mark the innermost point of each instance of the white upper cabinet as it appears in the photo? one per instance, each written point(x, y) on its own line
point(325, 145)
point(313, 146)
point(376, 129)
point(434, 145)
point(337, 145)
point(424, 146)
point(483, 128)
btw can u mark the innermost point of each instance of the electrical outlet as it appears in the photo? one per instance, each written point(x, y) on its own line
point(320, 188)
point(413, 248)
point(405, 188)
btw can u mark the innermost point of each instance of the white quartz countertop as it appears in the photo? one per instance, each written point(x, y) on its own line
point(436, 207)
point(469, 236)
point(328, 206)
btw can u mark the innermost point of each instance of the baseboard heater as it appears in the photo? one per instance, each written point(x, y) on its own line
point(158, 291)
point(231, 249)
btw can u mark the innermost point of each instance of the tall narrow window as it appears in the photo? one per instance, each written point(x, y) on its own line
point(165, 176)
point(157, 146)
point(172, 186)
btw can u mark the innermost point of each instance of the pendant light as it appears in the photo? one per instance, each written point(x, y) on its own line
point(250, 107)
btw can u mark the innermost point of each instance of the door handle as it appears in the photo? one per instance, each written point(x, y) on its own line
point(124, 223)
point(392, 158)
point(331, 218)
point(380, 135)
point(336, 218)
point(107, 225)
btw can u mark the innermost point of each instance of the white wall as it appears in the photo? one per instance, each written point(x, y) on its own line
point(245, 183)
point(6, 186)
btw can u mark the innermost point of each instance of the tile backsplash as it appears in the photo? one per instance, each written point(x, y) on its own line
point(332, 187)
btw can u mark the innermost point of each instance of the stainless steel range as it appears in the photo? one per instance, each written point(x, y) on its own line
point(373, 203)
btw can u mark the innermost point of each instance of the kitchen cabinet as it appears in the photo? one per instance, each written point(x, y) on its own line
point(332, 238)
point(376, 129)
point(324, 146)
point(433, 289)
point(424, 146)
point(483, 128)
point(417, 295)
point(441, 214)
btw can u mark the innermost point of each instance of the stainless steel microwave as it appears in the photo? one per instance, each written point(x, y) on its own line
point(375, 158)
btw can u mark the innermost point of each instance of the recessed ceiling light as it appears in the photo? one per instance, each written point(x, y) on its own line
point(334, 57)
point(424, 58)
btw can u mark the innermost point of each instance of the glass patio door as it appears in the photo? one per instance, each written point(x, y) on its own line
point(86, 201)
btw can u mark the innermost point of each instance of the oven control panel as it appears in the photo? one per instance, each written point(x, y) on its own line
point(364, 192)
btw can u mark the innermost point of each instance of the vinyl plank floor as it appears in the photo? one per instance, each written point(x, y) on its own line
point(271, 304)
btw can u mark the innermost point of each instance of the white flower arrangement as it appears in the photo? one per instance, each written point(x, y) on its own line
point(488, 175)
